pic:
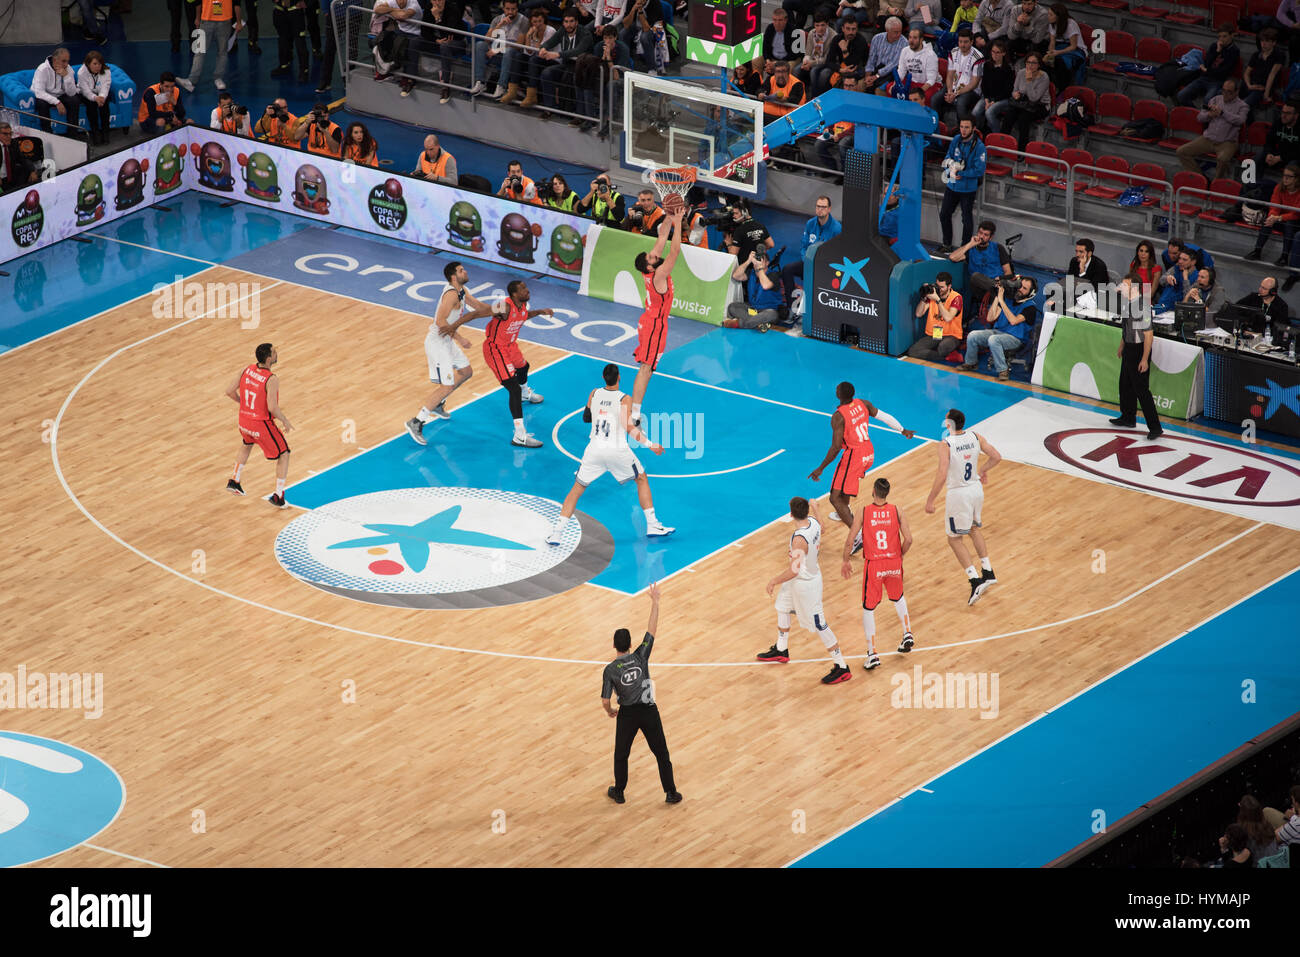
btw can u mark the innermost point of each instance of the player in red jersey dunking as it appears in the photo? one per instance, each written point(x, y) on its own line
point(885, 538)
point(849, 432)
point(501, 352)
point(257, 391)
point(652, 329)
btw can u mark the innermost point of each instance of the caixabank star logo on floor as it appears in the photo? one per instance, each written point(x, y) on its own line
point(442, 548)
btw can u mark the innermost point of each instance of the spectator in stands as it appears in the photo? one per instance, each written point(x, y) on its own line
point(962, 84)
point(395, 22)
point(782, 42)
point(835, 143)
point(604, 203)
point(1169, 257)
point(1011, 323)
point(891, 8)
point(1028, 28)
point(863, 12)
point(1287, 21)
point(647, 37)
point(359, 146)
point(997, 82)
point(747, 79)
point(515, 62)
point(1289, 832)
point(218, 21)
point(277, 125)
point(817, 45)
point(1282, 148)
point(562, 51)
point(1267, 299)
point(1177, 280)
point(1066, 53)
point(1234, 848)
point(643, 216)
point(94, 84)
point(847, 57)
point(15, 171)
point(992, 22)
point(1265, 75)
point(941, 307)
point(966, 15)
point(923, 15)
point(918, 66)
point(229, 117)
point(595, 69)
point(1259, 836)
point(557, 195)
point(435, 164)
point(881, 57)
point(1144, 264)
point(517, 186)
point(1218, 65)
point(819, 228)
point(508, 26)
point(763, 298)
point(782, 92)
point(1223, 117)
point(161, 110)
point(1279, 219)
point(441, 18)
point(986, 261)
point(1207, 291)
point(55, 87)
point(290, 20)
point(1031, 98)
point(746, 234)
point(1086, 273)
point(963, 173)
point(800, 10)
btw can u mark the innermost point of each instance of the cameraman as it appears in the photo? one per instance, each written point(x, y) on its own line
point(229, 117)
point(643, 217)
point(324, 138)
point(764, 295)
point(942, 306)
point(1011, 325)
point(746, 235)
point(517, 186)
point(278, 126)
point(604, 203)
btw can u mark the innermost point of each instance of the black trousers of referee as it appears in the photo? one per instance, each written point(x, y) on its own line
point(644, 718)
point(1135, 387)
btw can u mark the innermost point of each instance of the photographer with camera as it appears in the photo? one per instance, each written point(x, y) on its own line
point(764, 305)
point(517, 186)
point(604, 203)
point(278, 126)
point(556, 194)
point(229, 117)
point(743, 235)
point(643, 217)
point(1011, 323)
point(941, 305)
point(324, 138)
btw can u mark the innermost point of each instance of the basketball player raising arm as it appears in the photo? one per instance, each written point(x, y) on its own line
point(958, 467)
point(652, 328)
point(449, 367)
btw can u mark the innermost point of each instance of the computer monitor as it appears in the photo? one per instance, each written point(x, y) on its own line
point(1236, 318)
point(1190, 315)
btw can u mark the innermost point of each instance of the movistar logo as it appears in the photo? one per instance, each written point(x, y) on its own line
point(850, 271)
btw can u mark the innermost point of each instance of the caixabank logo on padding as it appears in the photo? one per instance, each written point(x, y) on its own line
point(442, 548)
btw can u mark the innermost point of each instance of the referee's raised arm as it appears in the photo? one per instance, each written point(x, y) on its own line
point(653, 624)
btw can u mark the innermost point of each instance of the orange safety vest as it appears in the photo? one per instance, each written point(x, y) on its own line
point(353, 152)
point(772, 108)
point(689, 227)
point(280, 131)
point(322, 143)
point(437, 168)
point(528, 184)
point(218, 9)
point(167, 108)
point(650, 222)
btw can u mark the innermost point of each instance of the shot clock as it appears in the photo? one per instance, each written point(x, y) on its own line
point(724, 32)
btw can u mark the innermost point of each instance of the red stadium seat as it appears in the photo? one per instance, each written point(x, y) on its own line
point(997, 145)
point(1256, 135)
point(1196, 12)
point(1119, 46)
point(1182, 119)
point(1154, 50)
point(1149, 13)
point(1109, 4)
point(1113, 111)
point(1184, 48)
point(1225, 15)
point(1073, 157)
point(1043, 153)
point(1085, 95)
point(1109, 169)
point(1148, 171)
point(1149, 110)
point(1215, 207)
point(1184, 178)
point(1261, 8)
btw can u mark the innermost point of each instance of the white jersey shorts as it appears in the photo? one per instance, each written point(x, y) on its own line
point(804, 598)
point(618, 460)
point(444, 357)
point(962, 509)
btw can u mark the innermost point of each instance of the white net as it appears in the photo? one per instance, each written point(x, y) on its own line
point(673, 181)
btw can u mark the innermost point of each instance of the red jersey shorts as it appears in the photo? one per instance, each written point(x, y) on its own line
point(852, 466)
point(881, 575)
point(266, 435)
point(652, 336)
point(503, 360)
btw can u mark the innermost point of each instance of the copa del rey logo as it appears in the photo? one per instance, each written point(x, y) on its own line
point(1180, 465)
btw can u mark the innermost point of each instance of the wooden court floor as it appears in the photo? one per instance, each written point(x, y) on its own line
point(215, 704)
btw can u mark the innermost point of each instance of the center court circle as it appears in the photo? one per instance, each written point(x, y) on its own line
point(442, 548)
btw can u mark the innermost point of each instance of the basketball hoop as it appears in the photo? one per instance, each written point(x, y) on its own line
point(741, 162)
point(673, 181)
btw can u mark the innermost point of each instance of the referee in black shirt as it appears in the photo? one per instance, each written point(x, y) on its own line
point(1135, 358)
point(629, 673)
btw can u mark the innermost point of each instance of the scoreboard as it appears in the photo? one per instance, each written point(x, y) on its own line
point(724, 32)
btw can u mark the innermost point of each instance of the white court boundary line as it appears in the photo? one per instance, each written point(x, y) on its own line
point(1057, 707)
point(129, 857)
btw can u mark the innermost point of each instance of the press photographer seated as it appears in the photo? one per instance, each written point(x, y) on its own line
point(556, 194)
point(604, 203)
point(324, 138)
point(229, 117)
point(1011, 321)
point(517, 186)
point(941, 306)
point(644, 215)
point(763, 292)
point(278, 126)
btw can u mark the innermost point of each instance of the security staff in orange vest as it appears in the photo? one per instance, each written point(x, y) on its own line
point(782, 92)
point(160, 107)
point(280, 127)
point(436, 164)
point(644, 215)
point(324, 138)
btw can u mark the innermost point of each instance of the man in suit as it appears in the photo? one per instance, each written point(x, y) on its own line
point(1087, 273)
point(16, 171)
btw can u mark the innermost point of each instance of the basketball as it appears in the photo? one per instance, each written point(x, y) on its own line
point(673, 204)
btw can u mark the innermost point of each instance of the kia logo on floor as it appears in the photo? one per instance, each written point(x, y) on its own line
point(1179, 465)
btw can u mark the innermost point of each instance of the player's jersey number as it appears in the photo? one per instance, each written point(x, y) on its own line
point(966, 474)
point(251, 398)
point(882, 541)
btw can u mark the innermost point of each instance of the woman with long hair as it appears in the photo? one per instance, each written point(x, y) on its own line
point(1031, 98)
point(1260, 837)
point(359, 146)
point(560, 196)
point(1066, 52)
point(999, 78)
point(1145, 264)
point(747, 79)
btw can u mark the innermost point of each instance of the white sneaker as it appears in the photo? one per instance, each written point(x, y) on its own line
point(533, 397)
point(499, 92)
point(476, 89)
point(872, 663)
point(658, 529)
point(441, 412)
point(219, 84)
point(185, 85)
point(527, 442)
point(554, 537)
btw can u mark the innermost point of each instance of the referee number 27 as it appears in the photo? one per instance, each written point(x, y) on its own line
point(648, 691)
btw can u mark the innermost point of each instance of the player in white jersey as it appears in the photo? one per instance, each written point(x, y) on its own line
point(449, 368)
point(959, 468)
point(609, 411)
point(801, 593)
